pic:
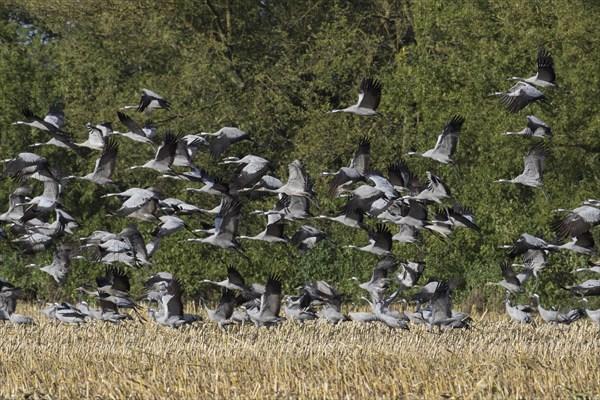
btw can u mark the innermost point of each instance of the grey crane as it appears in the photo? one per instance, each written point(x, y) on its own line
point(581, 244)
point(298, 308)
point(298, 183)
point(436, 190)
point(169, 225)
point(9, 294)
point(534, 260)
point(235, 281)
point(441, 306)
point(136, 133)
point(158, 280)
point(391, 320)
point(29, 165)
point(534, 169)
point(446, 142)
point(225, 137)
point(458, 216)
point(224, 311)
point(363, 317)
point(332, 314)
point(383, 184)
point(323, 293)
point(352, 217)
point(578, 220)
point(519, 313)
point(16, 204)
point(421, 316)
point(535, 128)
point(187, 148)
point(441, 310)
point(355, 172)
point(511, 281)
point(380, 242)
point(50, 310)
point(250, 168)
point(149, 102)
point(519, 96)
point(156, 286)
point(115, 251)
point(424, 295)
point(112, 291)
point(291, 208)
point(65, 312)
point(545, 75)
point(127, 246)
point(273, 233)
point(213, 185)
point(165, 155)
point(135, 192)
point(594, 315)
point(97, 136)
point(17, 319)
point(363, 197)
point(52, 124)
point(45, 203)
point(179, 207)
point(306, 237)
point(134, 238)
point(524, 243)
point(379, 281)
point(414, 215)
point(226, 227)
point(410, 275)
point(557, 317)
point(403, 179)
point(172, 314)
point(407, 234)
point(256, 192)
point(34, 242)
point(141, 204)
point(591, 287)
point(88, 311)
point(63, 223)
point(442, 229)
point(368, 99)
point(270, 303)
point(593, 268)
point(104, 168)
point(61, 262)
point(62, 143)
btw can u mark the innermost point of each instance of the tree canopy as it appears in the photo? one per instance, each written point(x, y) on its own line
point(274, 69)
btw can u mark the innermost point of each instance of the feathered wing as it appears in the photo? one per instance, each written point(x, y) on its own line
point(534, 162)
point(545, 66)
point(370, 94)
point(362, 156)
point(106, 163)
point(271, 299)
point(448, 139)
point(130, 124)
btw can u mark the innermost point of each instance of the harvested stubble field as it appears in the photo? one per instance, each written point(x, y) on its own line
point(495, 359)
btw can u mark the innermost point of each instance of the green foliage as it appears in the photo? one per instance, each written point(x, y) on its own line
point(274, 69)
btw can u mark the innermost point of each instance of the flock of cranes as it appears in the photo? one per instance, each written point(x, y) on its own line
point(401, 205)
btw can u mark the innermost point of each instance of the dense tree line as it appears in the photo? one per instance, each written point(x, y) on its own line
point(273, 69)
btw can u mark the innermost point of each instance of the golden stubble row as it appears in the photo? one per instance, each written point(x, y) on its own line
point(494, 359)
